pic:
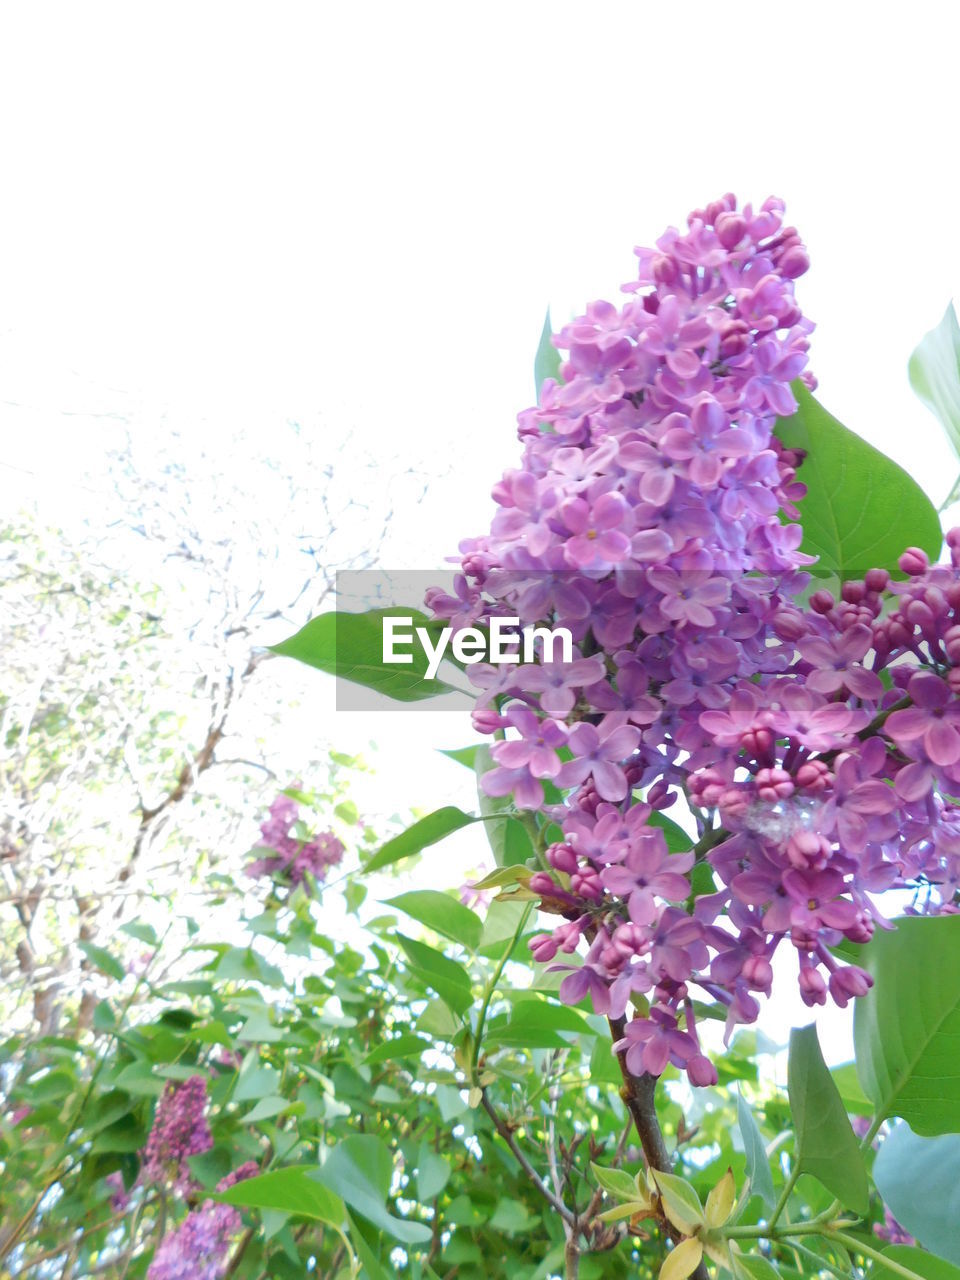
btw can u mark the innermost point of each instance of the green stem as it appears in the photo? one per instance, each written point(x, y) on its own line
point(491, 987)
point(765, 1231)
point(857, 1246)
point(784, 1197)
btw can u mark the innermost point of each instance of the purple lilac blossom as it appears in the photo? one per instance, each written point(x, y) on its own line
point(198, 1249)
point(179, 1130)
point(818, 746)
point(286, 856)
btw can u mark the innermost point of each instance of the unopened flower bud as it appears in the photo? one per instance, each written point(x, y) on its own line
point(914, 561)
point(701, 1071)
point(813, 988)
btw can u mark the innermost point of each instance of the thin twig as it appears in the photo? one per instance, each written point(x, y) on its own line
point(504, 1131)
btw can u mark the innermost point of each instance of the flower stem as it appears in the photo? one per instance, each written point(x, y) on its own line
point(491, 988)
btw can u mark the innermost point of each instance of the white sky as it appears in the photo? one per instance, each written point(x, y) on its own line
point(232, 214)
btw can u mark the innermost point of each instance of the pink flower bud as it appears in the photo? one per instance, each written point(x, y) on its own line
point(807, 849)
point(543, 947)
point(914, 561)
point(813, 775)
point(730, 229)
point(701, 1071)
point(562, 857)
point(758, 973)
point(774, 784)
point(813, 988)
point(794, 262)
point(544, 884)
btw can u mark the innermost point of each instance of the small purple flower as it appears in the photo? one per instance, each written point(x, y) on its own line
point(599, 751)
point(838, 664)
point(934, 720)
point(689, 596)
point(647, 872)
point(598, 540)
point(650, 1043)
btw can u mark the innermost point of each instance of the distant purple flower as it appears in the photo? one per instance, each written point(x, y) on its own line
point(287, 857)
point(179, 1130)
point(198, 1249)
point(891, 1230)
point(650, 1043)
point(119, 1196)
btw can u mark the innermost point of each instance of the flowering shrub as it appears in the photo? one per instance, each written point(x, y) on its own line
point(751, 756)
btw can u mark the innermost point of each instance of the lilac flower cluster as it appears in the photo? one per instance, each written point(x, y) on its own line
point(179, 1130)
point(815, 745)
point(198, 1248)
point(288, 856)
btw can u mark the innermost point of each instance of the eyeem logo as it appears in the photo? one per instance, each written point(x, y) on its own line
point(507, 641)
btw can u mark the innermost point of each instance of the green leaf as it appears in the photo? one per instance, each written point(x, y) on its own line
point(142, 932)
point(449, 980)
point(127, 1134)
point(267, 1108)
point(402, 1046)
point(360, 1169)
point(503, 877)
point(537, 1024)
point(861, 508)
point(256, 1082)
point(919, 1179)
point(678, 841)
point(546, 363)
point(510, 1217)
point(848, 1083)
point(350, 646)
point(103, 960)
point(433, 1173)
point(755, 1152)
point(906, 1028)
point(934, 370)
point(372, 1270)
point(294, 1190)
point(915, 1260)
point(753, 1266)
point(680, 1201)
point(429, 830)
point(826, 1145)
point(509, 839)
point(616, 1182)
point(441, 913)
